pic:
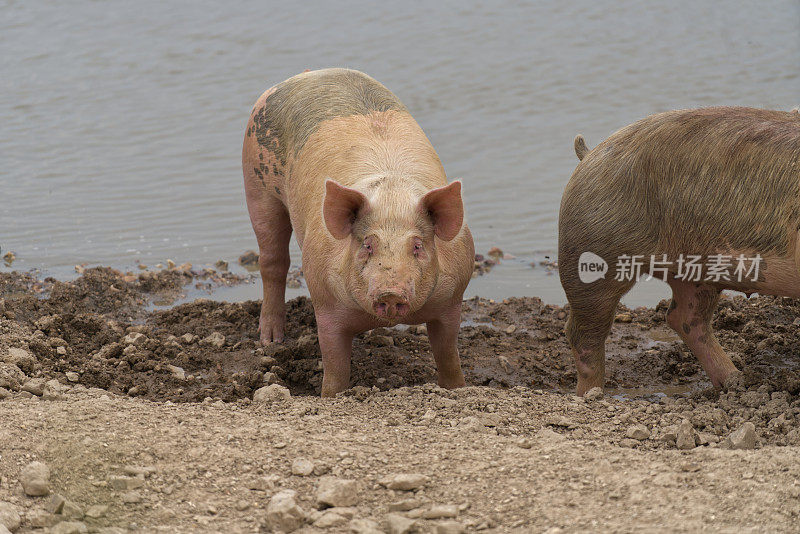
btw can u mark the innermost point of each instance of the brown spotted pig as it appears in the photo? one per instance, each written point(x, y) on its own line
point(713, 182)
point(335, 156)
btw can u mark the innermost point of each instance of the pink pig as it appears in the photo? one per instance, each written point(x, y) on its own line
point(335, 156)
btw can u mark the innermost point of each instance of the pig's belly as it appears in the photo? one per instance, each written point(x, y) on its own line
point(781, 277)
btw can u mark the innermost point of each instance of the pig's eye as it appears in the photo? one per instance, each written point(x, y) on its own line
point(367, 246)
point(417, 248)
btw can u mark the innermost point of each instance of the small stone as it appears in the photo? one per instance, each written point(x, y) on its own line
point(744, 438)
point(35, 479)
point(441, 511)
point(9, 516)
point(97, 511)
point(132, 497)
point(685, 439)
point(271, 378)
point(242, 505)
point(330, 519)
point(72, 376)
point(623, 318)
point(4, 393)
point(34, 386)
point(69, 527)
point(382, 341)
point(61, 350)
point(56, 503)
point(176, 372)
point(364, 526)
point(404, 481)
point(548, 436)
point(188, 338)
point(332, 491)
point(221, 265)
point(283, 513)
point(142, 471)
point(302, 467)
point(398, 524)
point(125, 483)
point(272, 393)
point(495, 252)
point(249, 258)
point(52, 390)
point(134, 338)
point(593, 394)
point(449, 527)
point(215, 339)
point(511, 329)
point(638, 432)
point(70, 510)
point(405, 505)
point(39, 518)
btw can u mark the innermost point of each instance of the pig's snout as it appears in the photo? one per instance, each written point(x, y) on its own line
point(390, 305)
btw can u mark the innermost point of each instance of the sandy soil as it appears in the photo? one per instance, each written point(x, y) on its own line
point(145, 418)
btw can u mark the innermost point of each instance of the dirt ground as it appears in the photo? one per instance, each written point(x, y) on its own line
point(150, 424)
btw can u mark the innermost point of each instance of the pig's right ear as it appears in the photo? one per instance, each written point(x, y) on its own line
point(341, 207)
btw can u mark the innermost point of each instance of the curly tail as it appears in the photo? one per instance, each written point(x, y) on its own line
point(580, 147)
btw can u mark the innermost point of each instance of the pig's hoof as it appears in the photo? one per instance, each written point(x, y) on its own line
point(270, 332)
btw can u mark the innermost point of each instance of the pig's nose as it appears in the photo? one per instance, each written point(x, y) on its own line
point(390, 305)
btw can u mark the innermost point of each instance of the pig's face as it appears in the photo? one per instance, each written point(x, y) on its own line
point(392, 263)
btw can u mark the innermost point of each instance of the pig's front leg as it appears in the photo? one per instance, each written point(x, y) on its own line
point(443, 335)
point(336, 344)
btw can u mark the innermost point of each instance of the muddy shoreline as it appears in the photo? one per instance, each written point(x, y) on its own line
point(101, 335)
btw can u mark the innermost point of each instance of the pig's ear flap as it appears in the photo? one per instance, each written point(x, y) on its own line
point(446, 210)
point(341, 207)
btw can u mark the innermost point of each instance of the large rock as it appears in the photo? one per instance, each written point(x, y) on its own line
point(399, 524)
point(283, 513)
point(21, 358)
point(333, 491)
point(9, 516)
point(271, 393)
point(35, 479)
point(743, 438)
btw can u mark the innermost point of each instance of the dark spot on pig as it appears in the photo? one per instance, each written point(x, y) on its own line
point(275, 170)
point(321, 96)
point(686, 328)
point(703, 340)
point(695, 322)
point(691, 305)
point(277, 190)
point(261, 156)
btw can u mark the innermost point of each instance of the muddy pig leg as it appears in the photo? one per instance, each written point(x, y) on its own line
point(690, 314)
point(336, 345)
point(443, 336)
point(273, 231)
point(592, 311)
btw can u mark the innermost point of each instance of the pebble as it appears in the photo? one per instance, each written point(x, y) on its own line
point(405, 505)
point(139, 470)
point(215, 339)
point(449, 527)
point(61, 350)
point(638, 432)
point(744, 438)
point(685, 439)
point(332, 491)
point(39, 518)
point(70, 510)
point(34, 386)
point(125, 483)
point(283, 512)
point(404, 481)
point(53, 390)
point(4, 393)
point(188, 338)
point(72, 376)
point(511, 329)
point(548, 436)
point(35, 479)
point(441, 511)
point(177, 372)
point(97, 511)
point(9, 516)
point(593, 394)
point(272, 393)
point(131, 497)
point(69, 527)
point(398, 524)
point(330, 519)
point(302, 467)
point(134, 338)
point(364, 526)
point(56, 503)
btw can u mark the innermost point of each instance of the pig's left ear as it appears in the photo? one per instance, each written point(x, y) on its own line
point(341, 207)
point(446, 210)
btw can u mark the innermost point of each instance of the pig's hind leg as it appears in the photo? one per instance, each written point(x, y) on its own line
point(690, 315)
point(592, 311)
point(273, 231)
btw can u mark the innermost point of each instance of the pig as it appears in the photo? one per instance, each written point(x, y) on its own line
point(716, 182)
point(335, 157)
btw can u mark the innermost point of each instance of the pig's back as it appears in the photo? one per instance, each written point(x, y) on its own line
point(295, 108)
point(693, 180)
